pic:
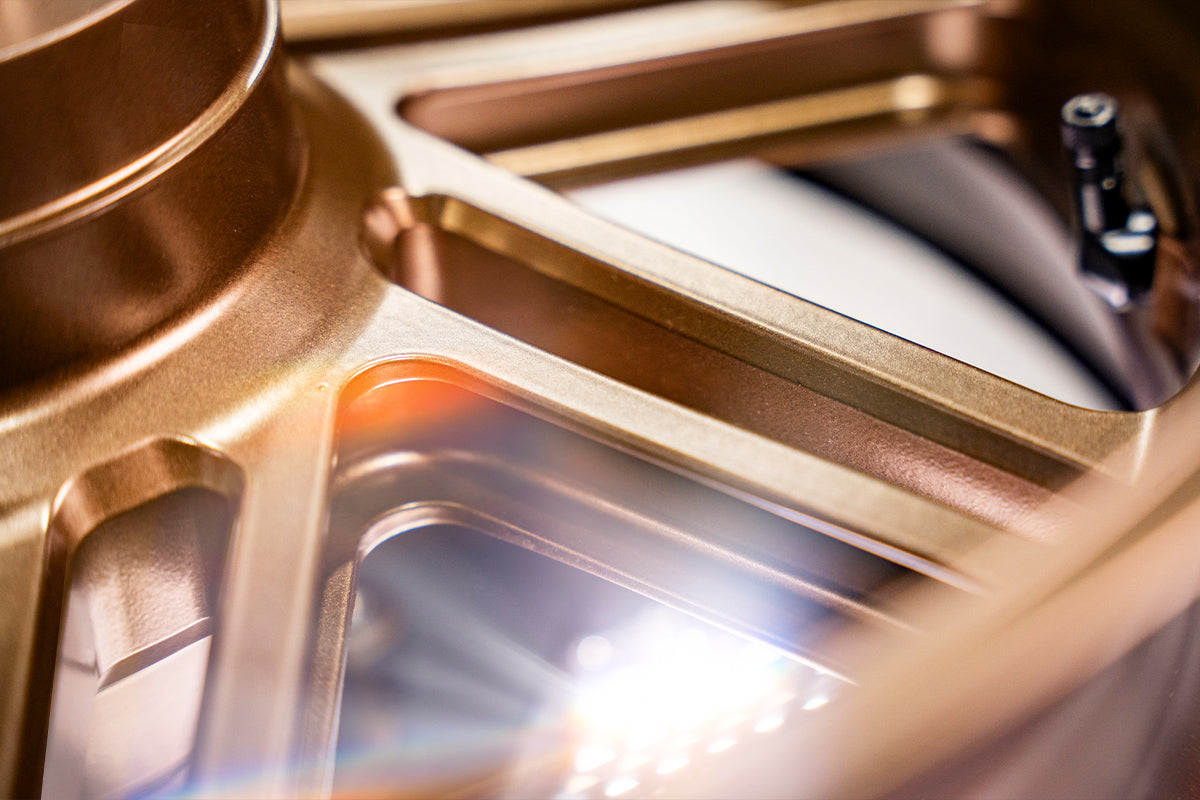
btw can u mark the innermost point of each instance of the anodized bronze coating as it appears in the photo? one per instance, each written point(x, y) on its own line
point(149, 147)
point(230, 354)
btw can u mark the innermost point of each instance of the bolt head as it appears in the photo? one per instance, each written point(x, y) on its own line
point(1090, 122)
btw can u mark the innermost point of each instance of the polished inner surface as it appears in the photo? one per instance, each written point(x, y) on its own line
point(85, 103)
point(478, 669)
point(508, 630)
point(433, 449)
point(23, 23)
point(150, 152)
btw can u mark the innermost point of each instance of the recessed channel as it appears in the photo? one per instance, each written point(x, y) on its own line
point(512, 608)
point(574, 306)
point(134, 648)
point(136, 548)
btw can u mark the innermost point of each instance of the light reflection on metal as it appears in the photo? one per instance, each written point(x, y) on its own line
point(666, 688)
point(845, 489)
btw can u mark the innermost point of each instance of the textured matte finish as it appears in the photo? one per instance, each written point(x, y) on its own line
point(308, 325)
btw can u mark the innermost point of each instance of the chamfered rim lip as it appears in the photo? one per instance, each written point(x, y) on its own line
point(62, 31)
point(98, 195)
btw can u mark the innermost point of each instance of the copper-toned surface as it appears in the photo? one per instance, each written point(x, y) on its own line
point(258, 324)
point(318, 20)
point(148, 154)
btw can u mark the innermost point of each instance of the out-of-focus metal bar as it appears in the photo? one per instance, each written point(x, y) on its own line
point(916, 97)
point(315, 20)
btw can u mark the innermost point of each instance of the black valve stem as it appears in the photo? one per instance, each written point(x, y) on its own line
point(1118, 244)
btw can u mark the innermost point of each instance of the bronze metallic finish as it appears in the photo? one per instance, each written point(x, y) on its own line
point(117, 215)
point(442, 253)
point(265, 311)
point(319, 20)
